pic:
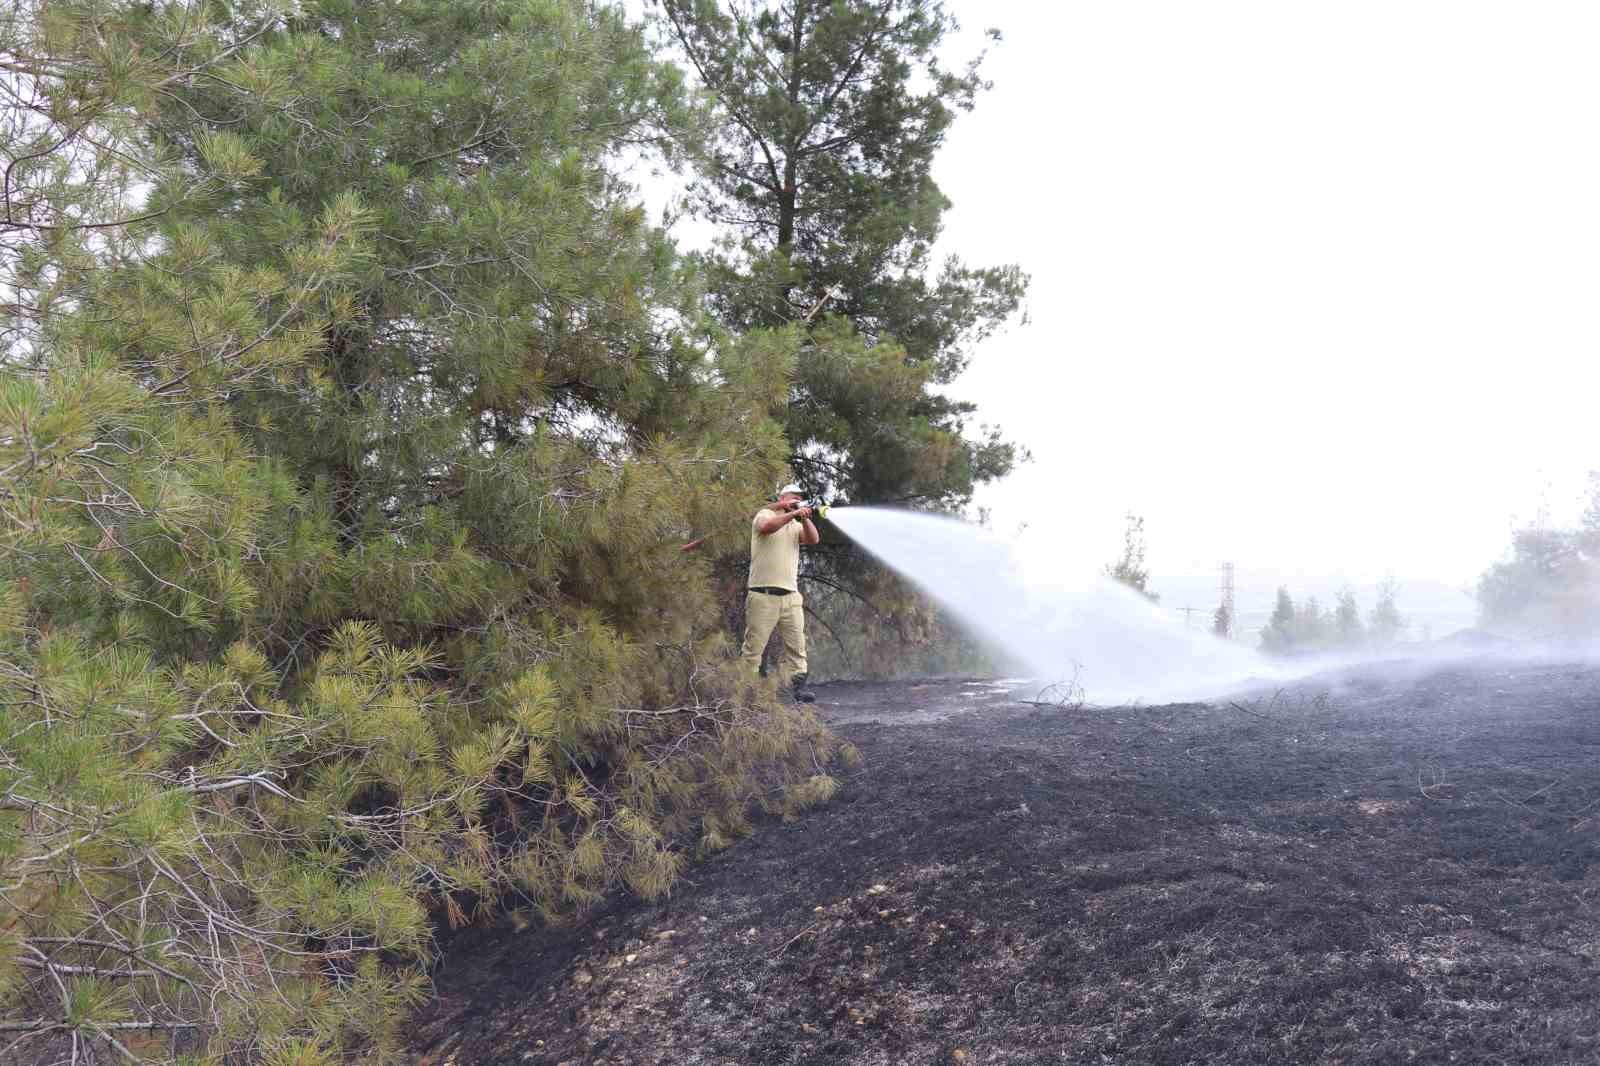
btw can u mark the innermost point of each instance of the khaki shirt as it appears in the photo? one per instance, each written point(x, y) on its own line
point(775, 557)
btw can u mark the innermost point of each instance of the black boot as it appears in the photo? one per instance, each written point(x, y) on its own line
point(802, 694)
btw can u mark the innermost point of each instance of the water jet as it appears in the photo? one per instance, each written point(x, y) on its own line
point(1057, 624)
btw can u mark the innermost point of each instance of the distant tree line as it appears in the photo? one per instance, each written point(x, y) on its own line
point(1311, 626)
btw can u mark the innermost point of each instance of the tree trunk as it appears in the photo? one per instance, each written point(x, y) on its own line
point(788, 195)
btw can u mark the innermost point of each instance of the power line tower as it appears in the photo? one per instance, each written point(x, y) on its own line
point(1227, 600)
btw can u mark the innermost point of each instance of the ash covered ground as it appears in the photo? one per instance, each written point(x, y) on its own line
point(1396, 864)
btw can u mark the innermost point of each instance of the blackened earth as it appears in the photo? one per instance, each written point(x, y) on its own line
point(1396, 865)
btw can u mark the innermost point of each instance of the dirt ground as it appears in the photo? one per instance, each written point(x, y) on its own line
point(1385, 866)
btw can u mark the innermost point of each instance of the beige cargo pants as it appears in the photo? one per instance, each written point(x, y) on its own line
point(764, 611)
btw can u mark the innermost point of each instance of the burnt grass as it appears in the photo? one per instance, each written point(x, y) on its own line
point(1392, 865)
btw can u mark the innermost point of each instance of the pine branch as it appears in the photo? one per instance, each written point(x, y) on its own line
point(851, 70)
point(720, 90)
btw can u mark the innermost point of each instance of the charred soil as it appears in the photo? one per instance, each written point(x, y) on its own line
point(1395, 865)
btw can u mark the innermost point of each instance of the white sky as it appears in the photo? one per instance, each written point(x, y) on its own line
point(1314, 285)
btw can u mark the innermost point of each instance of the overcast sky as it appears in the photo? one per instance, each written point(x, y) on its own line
point(1314, 285)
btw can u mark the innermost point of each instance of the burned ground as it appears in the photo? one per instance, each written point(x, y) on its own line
point(1399, 865)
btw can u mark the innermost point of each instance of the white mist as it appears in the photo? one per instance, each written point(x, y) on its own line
point(1026, 602)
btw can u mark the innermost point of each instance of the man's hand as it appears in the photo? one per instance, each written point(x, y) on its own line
point(801, 512)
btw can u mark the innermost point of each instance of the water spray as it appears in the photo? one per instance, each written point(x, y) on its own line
point(1053, 620)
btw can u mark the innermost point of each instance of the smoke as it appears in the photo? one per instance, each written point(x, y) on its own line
point(1058, 622)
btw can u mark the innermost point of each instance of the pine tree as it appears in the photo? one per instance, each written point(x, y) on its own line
point(1279, 633)
point(1347, 618)
point(1589, 528)
point(1130, 569)
point(1387, 623)
point(1313, 624)
point(350, 417)
point(818, 168)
